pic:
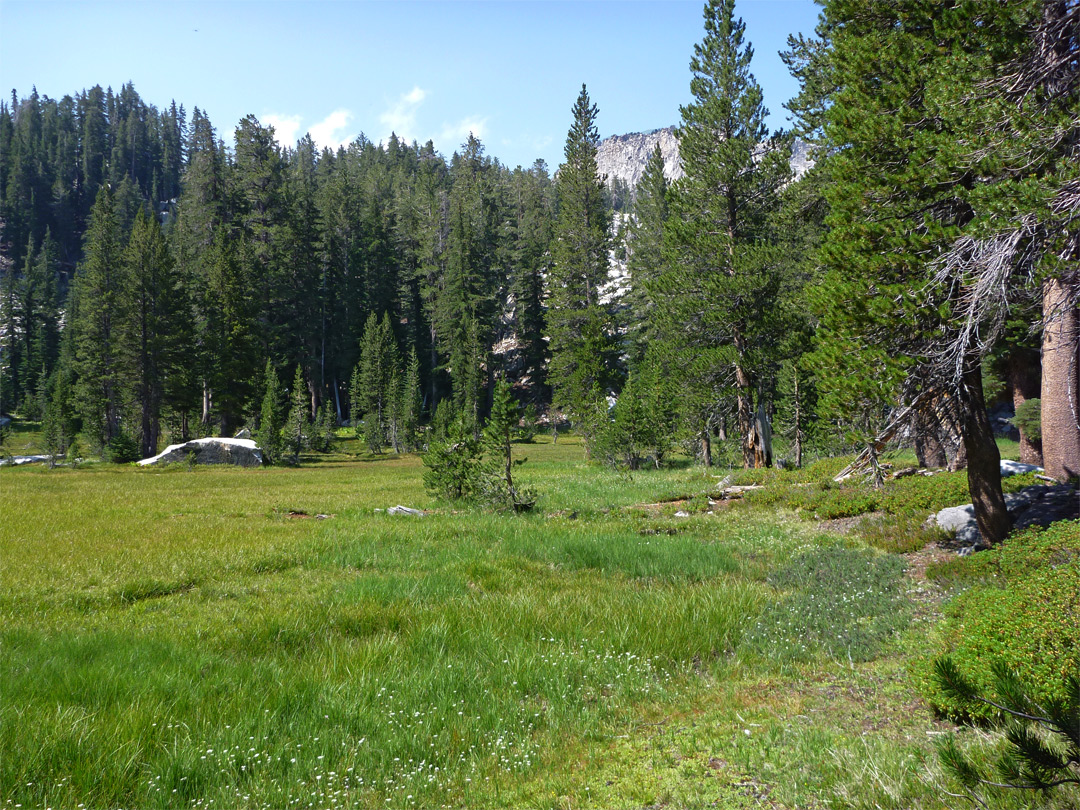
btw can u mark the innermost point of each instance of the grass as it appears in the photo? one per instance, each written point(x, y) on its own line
point(200, 638)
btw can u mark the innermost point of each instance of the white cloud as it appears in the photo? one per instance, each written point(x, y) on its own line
point(286, 128)
point(330, 132)
point(453, 135)
point(401, 117)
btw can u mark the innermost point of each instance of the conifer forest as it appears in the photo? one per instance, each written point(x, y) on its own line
point(159, 272)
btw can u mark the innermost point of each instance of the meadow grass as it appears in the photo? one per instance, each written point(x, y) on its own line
point(268, 637)
point(273, 638)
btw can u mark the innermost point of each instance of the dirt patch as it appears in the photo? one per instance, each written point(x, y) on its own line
point(919, 561)
point(298, 514)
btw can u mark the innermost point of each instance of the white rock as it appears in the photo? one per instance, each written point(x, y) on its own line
point(177, 452)
point(1009, 467)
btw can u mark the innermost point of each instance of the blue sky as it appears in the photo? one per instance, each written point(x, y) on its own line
point(507, 71)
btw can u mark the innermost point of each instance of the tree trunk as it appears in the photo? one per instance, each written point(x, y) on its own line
point(929, 449)
point(1024, 385)
point(798, 424)
point(706, 446)
point(1060, 413)
point(983, 459)
point(206, 402)
point(761, 438)
point(948, 413)
point(744, 417)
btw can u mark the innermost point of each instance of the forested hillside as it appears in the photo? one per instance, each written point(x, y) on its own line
point(157, 271)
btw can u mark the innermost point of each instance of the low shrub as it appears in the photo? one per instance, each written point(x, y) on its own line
point(122, 449)
point(898, 534)
point(845, 603)
point(1031, 626)
point(1021, 555)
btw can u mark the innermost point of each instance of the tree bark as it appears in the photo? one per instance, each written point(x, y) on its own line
point(743, 410)
point(798, 423)
point(929, 449)
point(1060, 412)
point(983, 459)
point(1024, 385)
point(948, 412)
point(706, 446)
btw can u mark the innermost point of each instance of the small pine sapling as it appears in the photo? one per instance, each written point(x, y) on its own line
point(497, 486)
point(452, 465)
point(322, 432)
point(271, 418)
point(1042, 752)
point(296, 424)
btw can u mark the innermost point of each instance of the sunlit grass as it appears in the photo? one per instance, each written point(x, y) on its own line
point(262, 637)
point(273, 638)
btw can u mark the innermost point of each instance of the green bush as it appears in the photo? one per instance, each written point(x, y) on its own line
point(452, 467)
point(122, 449)
point(1028, 419)
point(1031, 626)
point(1020, 556)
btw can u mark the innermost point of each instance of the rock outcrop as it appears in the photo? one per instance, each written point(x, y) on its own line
point(623, 157)
point(241, 452)
point(1037, 505)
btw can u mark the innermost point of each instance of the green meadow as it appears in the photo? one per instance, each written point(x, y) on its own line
point(274, 638)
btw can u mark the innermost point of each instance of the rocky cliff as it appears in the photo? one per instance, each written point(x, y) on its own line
point(623, 157)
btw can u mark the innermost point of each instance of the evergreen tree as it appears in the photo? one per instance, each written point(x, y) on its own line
point(296, 423)
point(645, 261)
point(356, 409)
point(322, 431)
point(453, 464)
point(497, 486)
point(411, 403)
point(581, 326)
point(718, 293)
point(908, 211)
point(155, 328)
point(99, 317)
point(377, 369)
point(271, 420)
point(535, 216)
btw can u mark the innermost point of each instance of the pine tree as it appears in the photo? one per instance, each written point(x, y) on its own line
point(100, 315)
point(410, 396)
point(271, 420)
point(378, 365)
point(581, 325)
point(908, 119)
point(533, 233)
point(155, 329)
point(453, 464)
point(356, 409)
point(497, 486)
point(297, 422)
point(645, 261)
point(718, 293)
